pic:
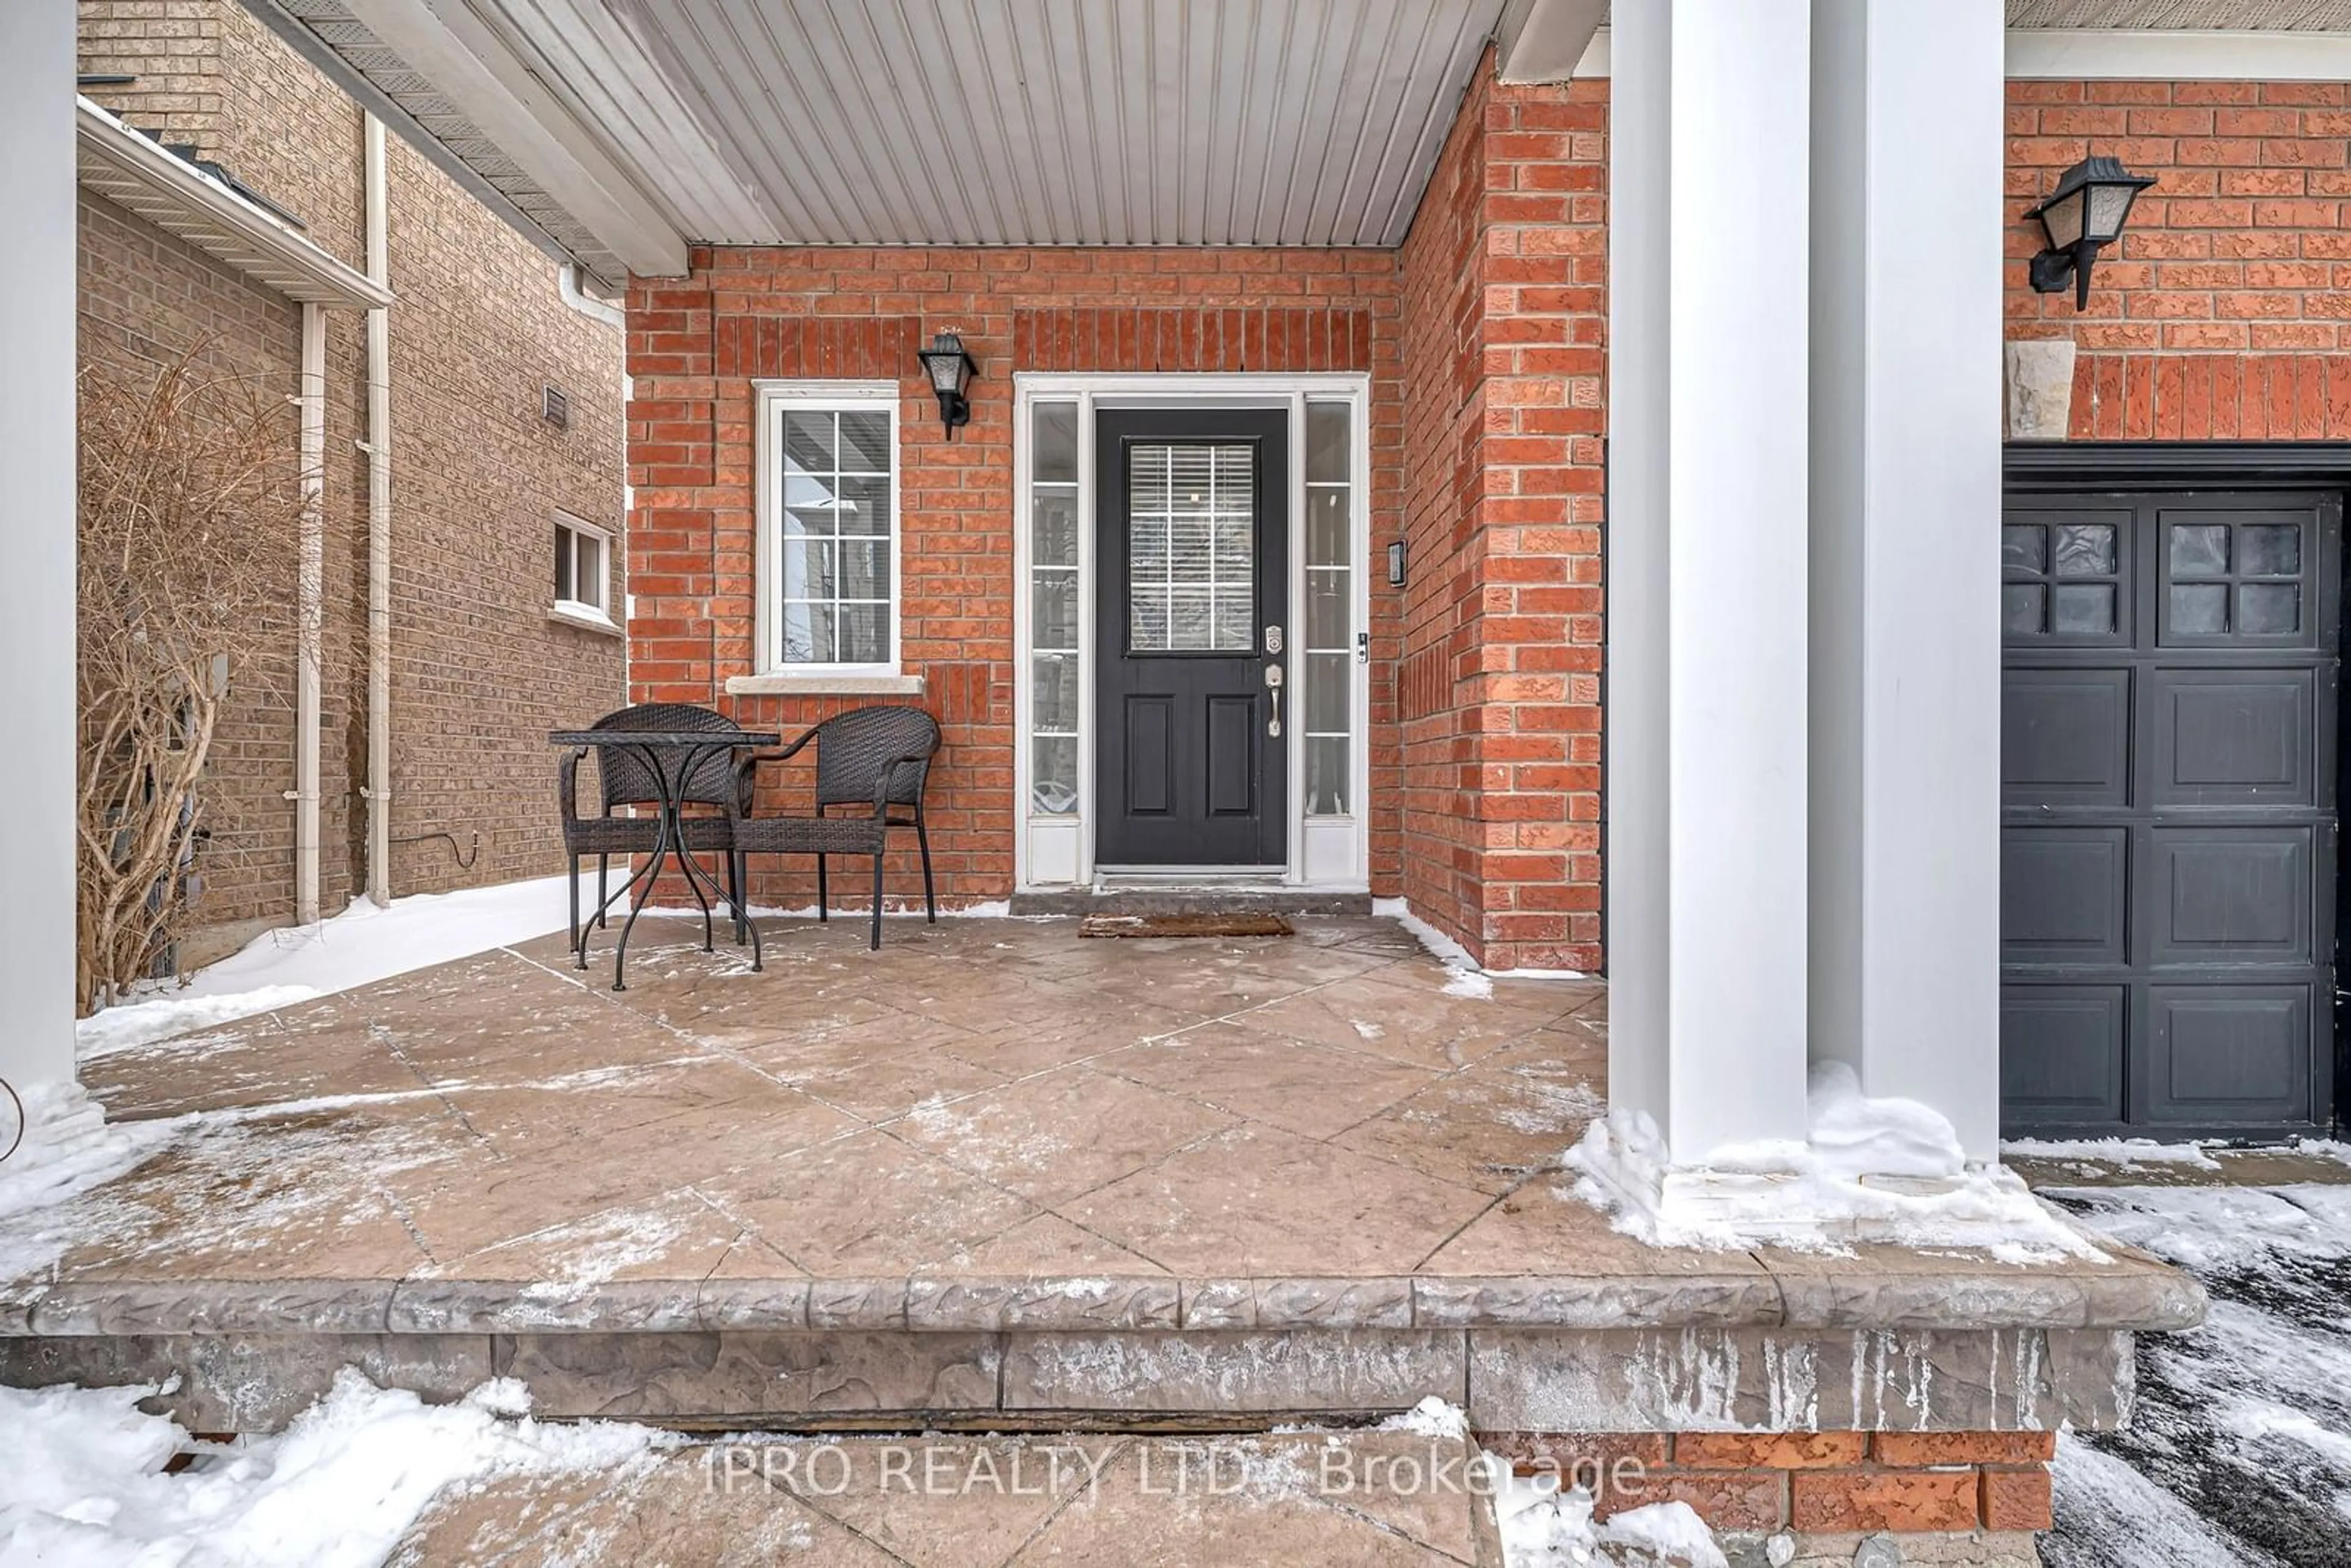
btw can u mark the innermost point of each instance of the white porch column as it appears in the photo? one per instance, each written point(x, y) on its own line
point(1707, 578)
point(36, 521)
point(1906, 485)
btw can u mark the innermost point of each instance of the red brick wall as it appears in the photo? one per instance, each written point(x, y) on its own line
point(1814, 1483)
point(695, 345)
point(2227, 313)
point(1499, 686)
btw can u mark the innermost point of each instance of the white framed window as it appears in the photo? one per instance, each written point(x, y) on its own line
point(828, 521)
point(583, 569)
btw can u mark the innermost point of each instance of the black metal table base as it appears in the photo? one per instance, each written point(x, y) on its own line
point(671, 758)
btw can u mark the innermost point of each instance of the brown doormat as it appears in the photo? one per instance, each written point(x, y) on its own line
point(1185, 925)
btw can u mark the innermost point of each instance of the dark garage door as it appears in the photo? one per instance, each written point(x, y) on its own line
point(2169, 782)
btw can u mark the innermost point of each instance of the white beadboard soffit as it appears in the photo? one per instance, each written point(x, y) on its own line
point(1068, 122)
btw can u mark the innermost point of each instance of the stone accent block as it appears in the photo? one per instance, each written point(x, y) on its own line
point(749, 1376)
point(1701, 1379)
point(1304, 1370)
point(241, 1383)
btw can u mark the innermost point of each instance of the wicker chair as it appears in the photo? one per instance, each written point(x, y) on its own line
point(624, 779)
point(876, 759)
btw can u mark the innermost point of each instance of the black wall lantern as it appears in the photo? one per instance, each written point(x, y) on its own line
point(951, 370)
point(2085, 213)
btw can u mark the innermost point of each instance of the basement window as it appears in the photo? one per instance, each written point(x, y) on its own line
point(584, 562)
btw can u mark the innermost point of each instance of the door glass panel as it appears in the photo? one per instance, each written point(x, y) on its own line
point(1326, 442)
point(2269, 549)
point(1054, 706)
point(1053, 776)
point(1326, 694)
point(2199, 609)
point(1329, 670)
point(1326, 609)
point(2082, 610)
point(1054, 453)
point(1326, 775)
point(2020, 607)
point(2086, 549)
point(1056, 535)
point(2269, 608)
point(1055, 667)
point(2200, 550)
point(2021, 546)
point(1191, 549)
point(1326, 525)
point(1056, 610)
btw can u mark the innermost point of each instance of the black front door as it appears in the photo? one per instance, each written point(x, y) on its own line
point(1192, 516)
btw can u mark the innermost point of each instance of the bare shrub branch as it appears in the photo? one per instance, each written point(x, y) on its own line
point(191, 511)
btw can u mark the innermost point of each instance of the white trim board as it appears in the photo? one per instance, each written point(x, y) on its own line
point(2124, 54)
point(2135, 54)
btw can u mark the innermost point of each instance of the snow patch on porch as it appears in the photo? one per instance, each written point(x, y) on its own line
point(1470, 978)
point(68, 1148)
point(358, 948)
point(1884, 1170)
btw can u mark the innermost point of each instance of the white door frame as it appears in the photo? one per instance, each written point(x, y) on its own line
point(1330, 853)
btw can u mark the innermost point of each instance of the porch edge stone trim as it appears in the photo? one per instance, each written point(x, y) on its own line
point(1639, 1381)
point(1798, 1292)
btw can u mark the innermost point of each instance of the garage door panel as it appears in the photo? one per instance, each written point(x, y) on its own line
point(2061, 1050)
point(2065, 737)
point(2229, 896)
point(2064, 895)
point(2221, 1054)
point(2235, 737)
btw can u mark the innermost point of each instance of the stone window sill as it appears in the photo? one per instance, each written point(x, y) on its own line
point(585, 618)
point(819, 684)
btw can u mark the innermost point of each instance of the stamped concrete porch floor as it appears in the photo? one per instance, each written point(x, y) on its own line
point(999, 1153)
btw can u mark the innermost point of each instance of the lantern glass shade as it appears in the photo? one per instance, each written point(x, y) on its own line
point(948, 365)
point(2110, 208)
point(2091, 204)
point(2062, 217)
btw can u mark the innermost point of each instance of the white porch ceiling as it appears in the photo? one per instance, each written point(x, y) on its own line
point(1247, 122)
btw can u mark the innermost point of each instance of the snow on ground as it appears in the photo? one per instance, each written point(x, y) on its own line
point(2109, 1152)
point(1870, 1169)
point(359, 947)
point(2239, 1455)
point(337, 1489)
point(1545, 1527)
point(1468, 979)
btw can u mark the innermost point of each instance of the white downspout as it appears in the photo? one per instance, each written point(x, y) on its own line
point(580, 299)
point(310, 590)
point(378, 447)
